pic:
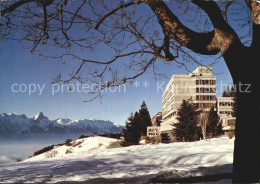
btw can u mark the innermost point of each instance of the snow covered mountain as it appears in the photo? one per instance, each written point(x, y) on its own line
point(12, 124)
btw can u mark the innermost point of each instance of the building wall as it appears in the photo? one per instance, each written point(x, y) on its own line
point(198, 85)
point(155, 120)
point(153, 131)
point(224, 105)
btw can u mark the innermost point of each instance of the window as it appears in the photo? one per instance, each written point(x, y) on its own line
point(212, 82)
point(205, 82)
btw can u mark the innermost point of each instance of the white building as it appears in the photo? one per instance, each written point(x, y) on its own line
point(198, 85)
point(153, 131)
point(224, 106)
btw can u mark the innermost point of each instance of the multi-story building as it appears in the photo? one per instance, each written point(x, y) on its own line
point(157, 119)
point(224, 106)
point(199, 86)
point(154, 130)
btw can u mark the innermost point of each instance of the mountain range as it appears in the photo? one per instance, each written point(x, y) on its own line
point(18, 125)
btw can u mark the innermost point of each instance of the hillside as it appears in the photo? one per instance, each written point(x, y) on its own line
point(91, 160)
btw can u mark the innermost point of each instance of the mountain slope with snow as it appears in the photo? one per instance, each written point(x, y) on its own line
point(12, 124)
point(91, 161)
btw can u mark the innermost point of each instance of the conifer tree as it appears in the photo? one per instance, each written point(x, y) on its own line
point(188, 116)
point(165, 138)
point(144, 119)
point(214, 125)
point(131, 133)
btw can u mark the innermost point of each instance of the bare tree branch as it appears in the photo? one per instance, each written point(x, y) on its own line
point(174, 29)
point(15, 5)
point(214, 13)
point(254, 7)
point(228, 3)
point(116, 9)
point(224, 36)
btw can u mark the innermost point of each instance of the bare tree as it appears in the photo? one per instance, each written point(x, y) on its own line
point(204, 121)
point(140, 40)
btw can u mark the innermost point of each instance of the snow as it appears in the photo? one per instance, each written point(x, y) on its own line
point(63, 121)
point(80, 147)
point(93, 161)
point(4, 159)
point(38, 116)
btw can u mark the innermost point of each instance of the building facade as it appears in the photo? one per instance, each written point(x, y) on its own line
point(157, 119)
point(224, 108)
point(154, 130)
point(199, 86)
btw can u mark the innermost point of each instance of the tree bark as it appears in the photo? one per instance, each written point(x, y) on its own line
point(243, 64)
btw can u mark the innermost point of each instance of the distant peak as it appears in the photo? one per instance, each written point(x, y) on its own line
point(39, 116)
point(11, 113)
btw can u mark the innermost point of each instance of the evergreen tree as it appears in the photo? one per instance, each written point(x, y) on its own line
point(214, 124)
point(131, 133)
point(219, 129)
point(188, 116)
point(144, 119)
point(165, 138)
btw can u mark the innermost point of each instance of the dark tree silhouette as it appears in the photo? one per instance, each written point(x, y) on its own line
point(144, 119)
point(131, 133)
point(165, 138)
point(188, 118)
point(143, 32)
point(214, 125)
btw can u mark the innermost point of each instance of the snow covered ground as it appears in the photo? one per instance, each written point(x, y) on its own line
point(91, 160)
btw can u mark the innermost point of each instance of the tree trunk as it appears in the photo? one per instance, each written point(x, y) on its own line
point(204, 129)
point(243, 64)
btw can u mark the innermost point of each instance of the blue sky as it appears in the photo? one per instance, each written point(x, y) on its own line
point(19, 66)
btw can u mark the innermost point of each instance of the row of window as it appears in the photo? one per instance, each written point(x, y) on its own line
point(225, 103)
point(225, 112)
point(206, 105)
point(152, 134)
point(205, 97)
point(205, 82)
point(152, 130)
point(205, 90)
